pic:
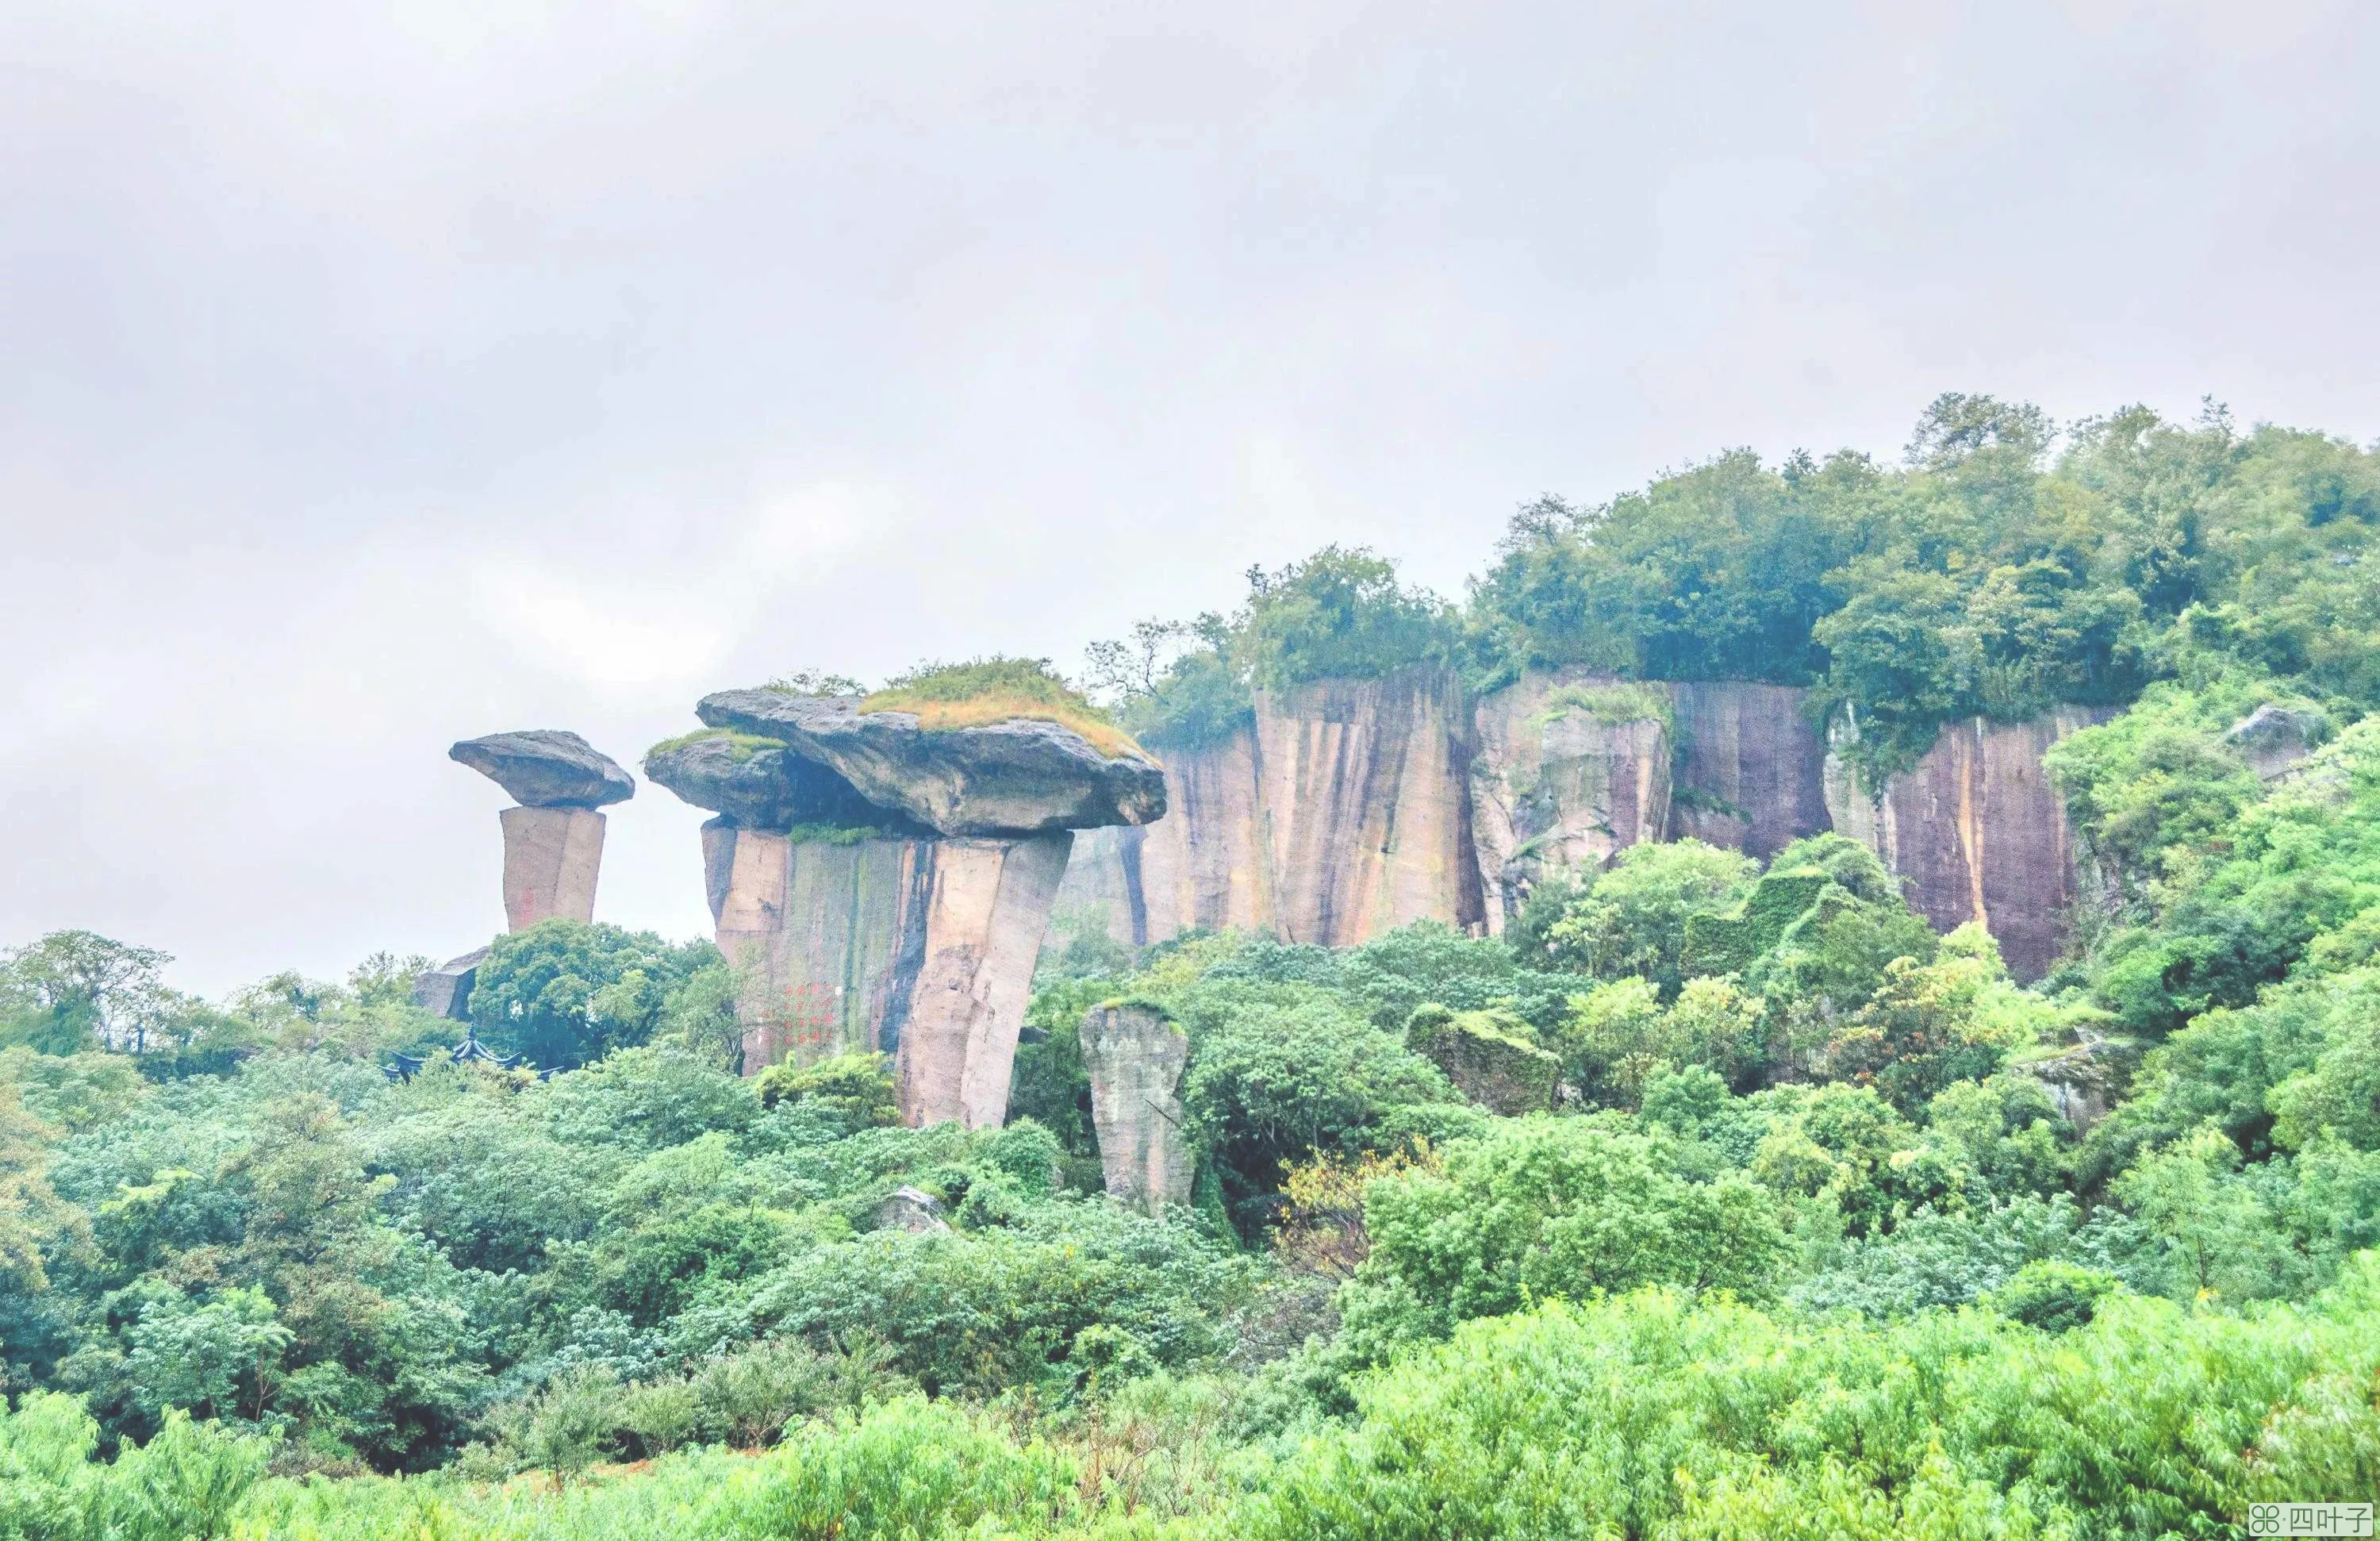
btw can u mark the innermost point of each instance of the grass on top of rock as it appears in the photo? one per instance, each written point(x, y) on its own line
point(741, 747)
point(987, 691)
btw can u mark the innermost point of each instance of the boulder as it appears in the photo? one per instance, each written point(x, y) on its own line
point(2274, 738)
point(760, 784)
point(1490, 1056)
point(1021, 776)
point(910, 1209)
point(446, 989)
point(551, 857)
point(544, 767)
point(1134, 1059)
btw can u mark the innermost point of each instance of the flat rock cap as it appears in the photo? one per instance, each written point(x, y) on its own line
point(1018, 776)
point(544, 767)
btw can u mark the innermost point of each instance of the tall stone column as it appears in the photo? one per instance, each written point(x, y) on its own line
point(551, 857)
point(1135, 1059)
point(989, 908)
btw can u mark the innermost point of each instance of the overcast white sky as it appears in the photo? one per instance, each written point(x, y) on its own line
point(372, 376)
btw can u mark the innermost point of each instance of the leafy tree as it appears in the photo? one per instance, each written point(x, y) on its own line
point(1560, 1207)
point(564, 992)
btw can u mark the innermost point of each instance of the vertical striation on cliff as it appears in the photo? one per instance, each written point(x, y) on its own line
point(1976, 830)
point(1363, 791)
point(1559, 782)
point(1750, 766)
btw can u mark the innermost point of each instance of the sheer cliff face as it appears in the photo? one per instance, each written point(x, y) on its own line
point(1751, 770)
point(1555, 788)
point(1342, 812)
point(1354, 806)
point(1364, 798)
point(1977, 832)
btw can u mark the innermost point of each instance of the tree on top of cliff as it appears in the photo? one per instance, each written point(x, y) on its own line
point(1981, 578)
point(1341, 614)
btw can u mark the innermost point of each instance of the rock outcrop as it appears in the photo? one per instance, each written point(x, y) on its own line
point(1568, 770)
point(1136, 1058)
point(1342, 811)
point(1750, 766)
point(879, 886)
point(1021, 776)
point(1976, 830)
point(2273, 739)
point(1489, 1055)
point(446, 989)
point(544, 767)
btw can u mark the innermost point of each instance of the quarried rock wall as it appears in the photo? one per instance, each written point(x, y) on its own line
point(1750, 766)
point(1977, 830)
point(1363, 793)
point(1556, 787)
point(1343, 811)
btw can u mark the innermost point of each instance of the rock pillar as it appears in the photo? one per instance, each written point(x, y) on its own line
point(1135, 1059)
point(551, 856)
point(987, 909)
point(920, 948)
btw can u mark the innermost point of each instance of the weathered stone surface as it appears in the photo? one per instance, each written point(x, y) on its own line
point(1017, 777)
point(1750, 766)
point(1363, 788)
point(2085, 1080)
point(762, 787)
point(446, 989)
point(1201, 866)
point(910, 1209)
point(2274, 738)
point(1489, 1057)
point(918, 948)
point(544, 767)
point(1977, 830)
point(1135, 1059)
point(552, 858)
point(1554, 788)
point(1345, 811)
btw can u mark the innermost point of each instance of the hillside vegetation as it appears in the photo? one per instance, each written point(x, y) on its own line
point(1824, 1227)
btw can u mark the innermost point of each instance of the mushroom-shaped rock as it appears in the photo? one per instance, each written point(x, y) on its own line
point(758, 783)
point(546, 768)
point(1020, 776)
